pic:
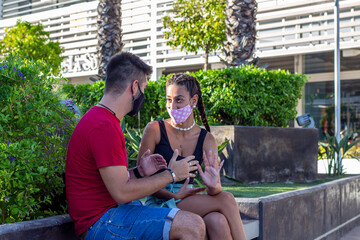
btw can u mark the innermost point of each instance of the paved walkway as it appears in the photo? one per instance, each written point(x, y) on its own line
point(352, 235)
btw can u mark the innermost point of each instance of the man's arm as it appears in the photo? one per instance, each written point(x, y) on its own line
point(124, 190)
point(148, 165)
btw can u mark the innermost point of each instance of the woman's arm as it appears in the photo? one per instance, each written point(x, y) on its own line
point(149, 140)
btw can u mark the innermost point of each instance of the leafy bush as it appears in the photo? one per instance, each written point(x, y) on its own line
point(34, 131)
point(250, 96)
point(88, 95)
point(30, 41)
point(332, 150)
point(247, 96)
point(85, 95)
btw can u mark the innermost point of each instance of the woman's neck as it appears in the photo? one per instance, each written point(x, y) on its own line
point(186, 127)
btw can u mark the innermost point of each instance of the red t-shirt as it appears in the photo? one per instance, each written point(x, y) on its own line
point(96, 142)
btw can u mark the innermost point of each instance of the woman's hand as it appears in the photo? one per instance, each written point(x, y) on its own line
point(211, 176)
point(185, 192)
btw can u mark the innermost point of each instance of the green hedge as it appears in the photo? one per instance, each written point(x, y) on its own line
point(34, 130)
point(87, 95)
point(248, 96)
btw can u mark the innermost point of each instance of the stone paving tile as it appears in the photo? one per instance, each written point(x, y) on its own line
point(352, 235)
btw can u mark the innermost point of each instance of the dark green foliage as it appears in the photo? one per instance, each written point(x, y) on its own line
point(250, 96)
point(132, 139)
point(85, 95)
point(334, 151)
point(247, 96)
point(88, 95)
point(34, 132)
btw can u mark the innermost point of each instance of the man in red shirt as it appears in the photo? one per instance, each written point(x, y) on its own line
point(101, 191)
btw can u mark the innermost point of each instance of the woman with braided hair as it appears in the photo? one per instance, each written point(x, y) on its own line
point(181, 135)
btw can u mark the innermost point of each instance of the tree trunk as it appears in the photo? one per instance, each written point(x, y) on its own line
point(109, 32)
point(206, 65)
point(240, 31)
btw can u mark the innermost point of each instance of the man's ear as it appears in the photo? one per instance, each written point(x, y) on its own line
point(134, 86)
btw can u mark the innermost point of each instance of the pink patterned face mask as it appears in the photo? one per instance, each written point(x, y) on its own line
point(180, 115)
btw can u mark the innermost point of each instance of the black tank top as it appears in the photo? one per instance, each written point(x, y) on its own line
point(164, 148)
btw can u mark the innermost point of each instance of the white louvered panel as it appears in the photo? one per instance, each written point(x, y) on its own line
point(307, 29)
point(309, 19)
point(323, 6)
point(137, 35)
point(80, 51)
point(126, 5)
point(78, 38)
point(81, 44)
point(304, 49)
point(13, 11)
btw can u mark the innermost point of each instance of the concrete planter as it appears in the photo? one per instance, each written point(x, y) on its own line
point(325, 211)
point(269, 154)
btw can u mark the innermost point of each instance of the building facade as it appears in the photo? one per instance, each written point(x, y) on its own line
point(294, 35)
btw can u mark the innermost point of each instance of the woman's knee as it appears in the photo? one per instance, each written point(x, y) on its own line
point(226, 196)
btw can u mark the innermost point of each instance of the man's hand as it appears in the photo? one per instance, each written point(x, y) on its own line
point(185, 192)
point(150, 164)
point(183, 167)
point(210, 176)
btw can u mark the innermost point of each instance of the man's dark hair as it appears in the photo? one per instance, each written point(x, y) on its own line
point(122, 69)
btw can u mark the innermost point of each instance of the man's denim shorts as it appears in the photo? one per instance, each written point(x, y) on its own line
point(133, 221)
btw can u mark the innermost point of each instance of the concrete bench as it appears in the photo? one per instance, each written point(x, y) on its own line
point(61, 228)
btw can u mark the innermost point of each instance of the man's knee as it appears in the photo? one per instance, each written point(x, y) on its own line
point(217, 220)
point(187, 225)
point(217, 226)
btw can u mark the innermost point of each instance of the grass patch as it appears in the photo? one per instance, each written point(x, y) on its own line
point(266, 189)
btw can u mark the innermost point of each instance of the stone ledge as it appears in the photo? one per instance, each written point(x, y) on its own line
point(307, 213)
point(55, 228)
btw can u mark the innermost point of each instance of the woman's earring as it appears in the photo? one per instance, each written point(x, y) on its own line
point(194, 106)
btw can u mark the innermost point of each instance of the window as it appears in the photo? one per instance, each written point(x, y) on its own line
point(319, 102)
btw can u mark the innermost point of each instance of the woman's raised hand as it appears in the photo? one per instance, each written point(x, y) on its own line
point(210, 176)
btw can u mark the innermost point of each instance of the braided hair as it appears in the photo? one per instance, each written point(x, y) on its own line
point(193, 86)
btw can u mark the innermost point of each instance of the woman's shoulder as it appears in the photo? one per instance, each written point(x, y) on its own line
point(209, 137)
point(209, 141)
point(152, 132)
point(152, 126)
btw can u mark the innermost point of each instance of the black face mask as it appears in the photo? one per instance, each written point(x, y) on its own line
point(138, 103)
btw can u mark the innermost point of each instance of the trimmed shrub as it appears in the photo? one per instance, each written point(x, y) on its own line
point(88, 95)
point(247, 95)
point(85, 95)
point(34, 131)
point(250, 96)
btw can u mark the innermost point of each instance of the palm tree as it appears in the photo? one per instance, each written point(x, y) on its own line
point(109, 32)
point(240, 32)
